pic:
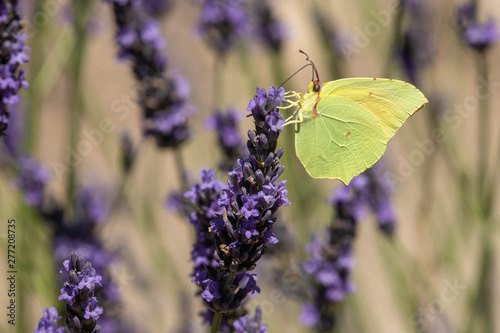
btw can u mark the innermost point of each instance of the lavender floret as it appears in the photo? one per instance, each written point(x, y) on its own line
point(12, 56)
point(49, 322)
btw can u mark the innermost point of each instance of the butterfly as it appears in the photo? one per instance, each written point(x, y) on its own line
point(342, 127)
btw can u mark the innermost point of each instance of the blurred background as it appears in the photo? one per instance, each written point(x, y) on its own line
point(434, 273)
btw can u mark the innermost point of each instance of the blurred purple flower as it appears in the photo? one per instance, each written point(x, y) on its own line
point(481, 36)
point(163, 93)
point(477, 35)
point(229, 137)
point(156, 7)
point(417, 48)
point(249, 324)
point(91, 207)
point(49, 322)
point(268, 28)
point(222, 23)
point(12, 56)
point(331, 257)
point(15, 133)
point(32, 180)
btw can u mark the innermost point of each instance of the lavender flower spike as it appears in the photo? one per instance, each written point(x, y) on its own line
point(82, 310)
point(163, 94)
point(269, 29)
point(222, 23)
point(12, 56)
point(254, 195)
point(204, 197)
point(48, 322)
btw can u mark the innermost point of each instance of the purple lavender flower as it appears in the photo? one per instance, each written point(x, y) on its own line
point(48, 322)
point(331, 258)
point(204, 197)
point(269, 30)
point(380, 190)
point(329, 269)
point(78, 291)
point(477, 35)
point(254, 194)
point(15, 133)
point(156, 7)
point(218, 295)
point(222, 23)
point(163, 94)
point(91, 207)
point(417, 47)
point(32, 180)
point(249, 324)
point(12, 56)
point(229, 137)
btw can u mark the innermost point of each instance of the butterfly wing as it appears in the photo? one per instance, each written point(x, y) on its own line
point(391, 102)
point(343, 141)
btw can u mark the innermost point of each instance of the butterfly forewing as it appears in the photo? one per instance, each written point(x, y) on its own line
point(391, 102)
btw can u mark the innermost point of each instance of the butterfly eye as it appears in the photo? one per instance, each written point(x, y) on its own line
point(316, 87)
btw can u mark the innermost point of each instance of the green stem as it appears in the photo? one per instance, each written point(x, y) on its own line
point(47, 75)
point(484, 135)
point(481, 306)
point(218, 316)
point(34, 97)
point(81, 11)
point(395, 41)
point(181, 171)
point(220, 64)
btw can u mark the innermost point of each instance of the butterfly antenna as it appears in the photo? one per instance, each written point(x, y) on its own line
point(301, 68)
point(316, 86)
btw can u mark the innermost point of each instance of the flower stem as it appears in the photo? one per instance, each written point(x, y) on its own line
point(220, 64)
point(395, 42)
point(218, 316)
point(81, 11)
point(181, 171)
point(34, 94)
point(484, 135)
